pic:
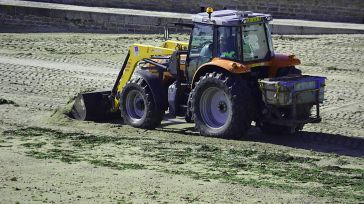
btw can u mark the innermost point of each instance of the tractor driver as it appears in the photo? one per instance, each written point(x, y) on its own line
point(206, 51)
point(226, 46)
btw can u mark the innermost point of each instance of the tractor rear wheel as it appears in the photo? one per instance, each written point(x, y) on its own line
point(138, 107)
point(221, 104)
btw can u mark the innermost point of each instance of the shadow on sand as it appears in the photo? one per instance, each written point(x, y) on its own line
point(314, 141)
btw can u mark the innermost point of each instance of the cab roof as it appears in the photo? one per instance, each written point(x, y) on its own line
point(231, 17)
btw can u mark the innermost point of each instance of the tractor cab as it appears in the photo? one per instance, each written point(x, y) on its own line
point(239, 36)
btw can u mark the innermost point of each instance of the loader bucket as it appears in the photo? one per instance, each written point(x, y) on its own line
point(93, 106)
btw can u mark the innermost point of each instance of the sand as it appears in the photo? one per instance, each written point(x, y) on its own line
point(47, 157)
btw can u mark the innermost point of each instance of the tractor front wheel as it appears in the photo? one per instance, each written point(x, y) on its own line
point(138, 107)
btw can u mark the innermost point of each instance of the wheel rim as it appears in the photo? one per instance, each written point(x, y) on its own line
point(214, 107)
point(135, 106)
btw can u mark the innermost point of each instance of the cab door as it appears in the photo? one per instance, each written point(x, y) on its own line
point(200, 49)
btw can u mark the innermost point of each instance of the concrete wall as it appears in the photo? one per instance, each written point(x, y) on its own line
point(30, 19)
point(325, 10)
point(17, 16)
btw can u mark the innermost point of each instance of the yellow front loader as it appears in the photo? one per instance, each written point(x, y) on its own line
point(103, 105)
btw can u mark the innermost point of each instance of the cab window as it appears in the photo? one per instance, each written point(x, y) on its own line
point(200, 48)
point(255, 43)
point(228, 42)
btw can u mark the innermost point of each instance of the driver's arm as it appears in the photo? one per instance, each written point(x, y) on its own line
point(206, 51)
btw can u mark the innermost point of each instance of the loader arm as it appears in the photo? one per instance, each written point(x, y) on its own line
point(138, 52)
point(104, 105)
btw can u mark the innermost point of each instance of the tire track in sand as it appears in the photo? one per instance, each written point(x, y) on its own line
point(46, 85)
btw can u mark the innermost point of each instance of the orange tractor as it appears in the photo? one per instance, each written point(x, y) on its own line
point(226, 77)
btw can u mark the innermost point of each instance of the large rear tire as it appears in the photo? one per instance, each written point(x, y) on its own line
point(221, 104)
point(138, 107)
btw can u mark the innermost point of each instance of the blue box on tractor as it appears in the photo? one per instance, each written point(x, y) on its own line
point(287, 90)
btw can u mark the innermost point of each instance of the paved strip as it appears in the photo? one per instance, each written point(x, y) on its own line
point(288, 22)
point(280, 26)
point(318, 24)
point(131, 12)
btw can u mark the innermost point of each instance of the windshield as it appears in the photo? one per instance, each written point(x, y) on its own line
point(255, 39)
point(255, 45)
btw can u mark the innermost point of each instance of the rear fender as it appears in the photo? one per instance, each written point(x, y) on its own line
point(220, 65)
point(281, 61)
